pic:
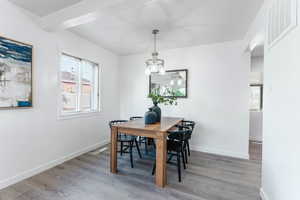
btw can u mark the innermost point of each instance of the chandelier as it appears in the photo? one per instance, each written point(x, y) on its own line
point(155, 65)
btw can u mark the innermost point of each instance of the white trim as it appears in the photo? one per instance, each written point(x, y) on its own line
point(66, 116)
point(29, 173)
point(220, 152)
point(78, 114)
point(255, 138)
point(263, 195)
point(294, 21)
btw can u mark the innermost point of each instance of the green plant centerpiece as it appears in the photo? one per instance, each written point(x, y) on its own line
point(167, 98)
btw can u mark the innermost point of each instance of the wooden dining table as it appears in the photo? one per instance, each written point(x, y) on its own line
point(157, 131)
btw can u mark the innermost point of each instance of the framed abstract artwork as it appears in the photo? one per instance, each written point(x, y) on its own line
point(174, 83)
point(15, 74)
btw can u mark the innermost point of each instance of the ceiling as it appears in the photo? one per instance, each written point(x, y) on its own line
point(125, 26)
point(44, 7)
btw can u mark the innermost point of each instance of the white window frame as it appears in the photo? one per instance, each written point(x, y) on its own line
point(95, 98)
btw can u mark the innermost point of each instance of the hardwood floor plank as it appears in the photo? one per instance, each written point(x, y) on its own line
point(88, 177)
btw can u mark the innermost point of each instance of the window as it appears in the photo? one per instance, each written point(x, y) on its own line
point(256, 99)
point(79, 85)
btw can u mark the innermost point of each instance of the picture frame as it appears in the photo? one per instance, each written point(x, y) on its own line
point(174, 80)
point(16, 69)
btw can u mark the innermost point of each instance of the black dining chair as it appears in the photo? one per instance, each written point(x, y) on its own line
point(136, 117)
point(141, 139)
point(175, 147)
point(127, 142)
point(191, 125)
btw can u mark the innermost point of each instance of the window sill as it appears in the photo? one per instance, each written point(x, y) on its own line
point(67, 116)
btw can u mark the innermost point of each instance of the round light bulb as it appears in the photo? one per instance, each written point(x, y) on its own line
point(172, 82)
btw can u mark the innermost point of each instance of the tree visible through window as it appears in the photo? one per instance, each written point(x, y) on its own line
point(256, 99)
point(79, 85)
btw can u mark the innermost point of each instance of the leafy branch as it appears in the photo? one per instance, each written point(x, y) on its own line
point(167, 98)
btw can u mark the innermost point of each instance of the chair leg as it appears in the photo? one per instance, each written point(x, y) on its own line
point(183, 159)
point(154, 168)
point(179, 166)
point(186, 155)
point(153, 145)
point(130, 151)
point(146, 146)
point(188, 147)
point(138, 148)
point(185, 151)
point(121, 152)
point(154, 165)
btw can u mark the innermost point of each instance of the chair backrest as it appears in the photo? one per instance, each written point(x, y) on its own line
point(181, 134)
point(190, 124)
point(114, 122)
point(135, 117)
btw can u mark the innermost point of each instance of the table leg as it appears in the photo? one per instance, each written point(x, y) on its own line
point(161, 159)
point(113, 150)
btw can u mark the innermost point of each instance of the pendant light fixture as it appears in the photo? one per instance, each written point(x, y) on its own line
point(155, 65)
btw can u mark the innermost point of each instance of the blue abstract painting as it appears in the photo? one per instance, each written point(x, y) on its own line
point(15, 74)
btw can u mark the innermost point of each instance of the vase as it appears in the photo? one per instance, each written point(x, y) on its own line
point(150, 117)
point(157, 110)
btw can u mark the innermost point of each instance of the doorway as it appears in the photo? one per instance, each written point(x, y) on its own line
point(256, 85)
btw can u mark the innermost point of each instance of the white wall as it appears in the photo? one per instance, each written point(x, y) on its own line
point(281, 149)
point(257, 64)
point(257, 68)
point(281, 163)
point(256, 117)
point(34, 139)
point(218, 94)
point(256, 125)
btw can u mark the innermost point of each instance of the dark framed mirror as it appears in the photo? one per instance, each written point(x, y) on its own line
point(174, 83)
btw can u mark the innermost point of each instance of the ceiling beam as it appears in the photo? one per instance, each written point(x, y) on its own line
point(83, 12)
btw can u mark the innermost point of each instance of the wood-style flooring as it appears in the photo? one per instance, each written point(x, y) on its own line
point(208, 177)
point(255, 150)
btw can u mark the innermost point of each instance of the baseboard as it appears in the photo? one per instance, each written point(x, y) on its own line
point(255, 139)
point(220, 152)
point(29, 173)
point(263, 195)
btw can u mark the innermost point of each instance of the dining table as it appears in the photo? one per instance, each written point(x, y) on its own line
point(157, 131)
